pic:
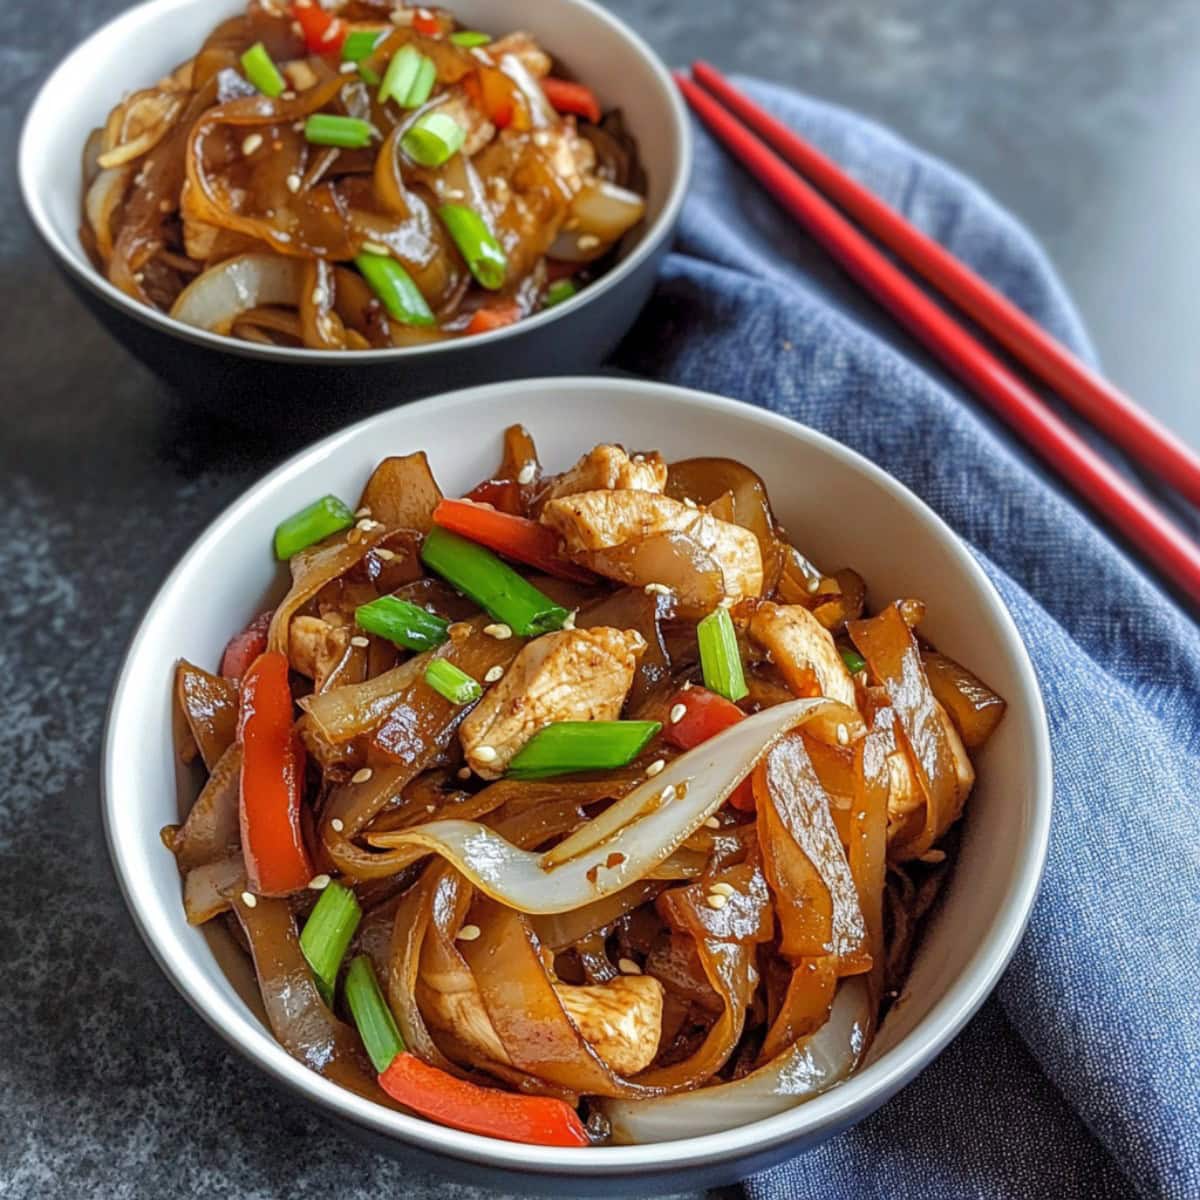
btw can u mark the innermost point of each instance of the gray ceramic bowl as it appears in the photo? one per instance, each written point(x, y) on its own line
point(897, 543)
point(266, 385)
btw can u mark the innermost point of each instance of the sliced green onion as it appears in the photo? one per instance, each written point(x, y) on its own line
point(493, 585)
point(359, 43)
point(450, 681)
point(470, 37)
point(327, 933)
point(376, 1025)
point(720, 658)
point(261, 71)
point(400, 74)
point(402, 623)
point(423, 84)
point(571, 746)
point(329, 129)
point(853, 660)
point(395, 288)
point(433, 139)
point(559, 291)
point(409, 78)
point(310, 525)
point(476, 243)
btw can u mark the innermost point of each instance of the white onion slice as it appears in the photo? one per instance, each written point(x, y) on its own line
point(801, 1072)
point(215, 299)
point(600, 214)
point(635, 834)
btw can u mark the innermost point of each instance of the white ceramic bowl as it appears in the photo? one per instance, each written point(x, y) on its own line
point(255, 383)
point(897, 543)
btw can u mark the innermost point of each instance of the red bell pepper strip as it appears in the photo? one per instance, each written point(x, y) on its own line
point(426, 24)
point(243, 648)
point(323, 32)
point(706, 715)
point(514, 537)
point(272, 779)
point(537, 1120)
point(494, 316)
point(567, 97)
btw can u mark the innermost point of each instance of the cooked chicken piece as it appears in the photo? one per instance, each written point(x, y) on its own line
point(522, 46)
point(803, 649)
point(316, 648)
point(602, 520)
point(572, 675)
point(463, 1014)
point(622, 1019)
point(609, 467)
point(904, 793)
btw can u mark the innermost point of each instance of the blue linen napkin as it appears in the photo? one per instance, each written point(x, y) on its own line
point(1081, 1076)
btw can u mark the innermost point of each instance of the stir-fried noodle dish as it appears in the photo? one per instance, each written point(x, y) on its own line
point(583, 809)
point(360, 178)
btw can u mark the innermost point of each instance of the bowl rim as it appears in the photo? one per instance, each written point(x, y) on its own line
point(826, 1113)
point(126, 24)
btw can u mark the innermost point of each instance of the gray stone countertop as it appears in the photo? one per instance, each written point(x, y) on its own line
point(1079, 114)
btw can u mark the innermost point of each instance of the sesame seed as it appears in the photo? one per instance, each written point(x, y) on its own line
point(628, 967)
point(843, 735)
point(361, 642)
point(337, 824)
point(366, 523)
point(678, 712)
point(569, 623)
point(361, 775)
point(500, 632)
point(331, 31)
point(933, 856)
point(468, 933)
point(252, 143)
point(288, 95)
point(493, 674)
point(689, 502)
point(861, 816)
point(318, 883)
point(486, 754)
point(249, 899)
point(298, 126)
point(639, 458)
point(722, 889)
point(716, 900)
point(385, 554)
point(293, 183)
point(527, 472)
point(401, 16)
point(656, 589)
point(348, 68)
point(713, 823)
point(655, 767)
point(464, 772)
point(297, 29)
point(687, 686)
point(429, 808)
point(365, 511)
point(455, 194)
point(587, 241)
point(376, 248)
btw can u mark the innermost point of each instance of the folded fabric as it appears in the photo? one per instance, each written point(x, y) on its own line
point(1081, 1076)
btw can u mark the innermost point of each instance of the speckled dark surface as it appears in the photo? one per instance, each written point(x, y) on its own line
point(1079, 114)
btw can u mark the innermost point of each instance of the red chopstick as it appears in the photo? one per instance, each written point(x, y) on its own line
point(1112, 412)
point(1063, 450)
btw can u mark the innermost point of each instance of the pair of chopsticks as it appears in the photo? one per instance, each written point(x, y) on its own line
point(766, 147)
